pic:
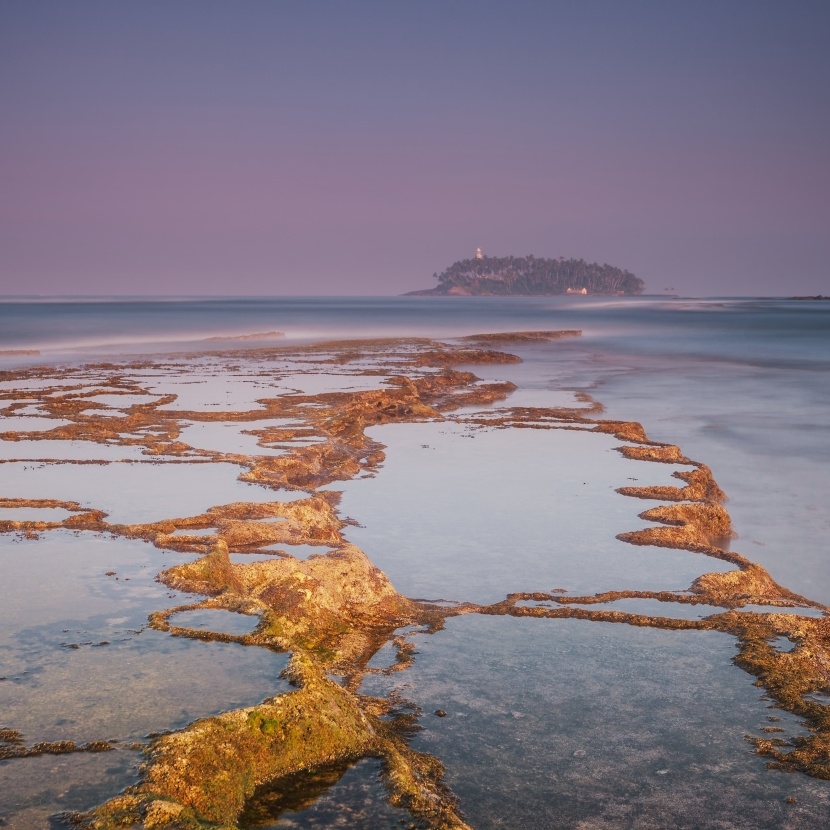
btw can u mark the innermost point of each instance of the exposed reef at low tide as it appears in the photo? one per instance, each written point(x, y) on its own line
point(333, 612)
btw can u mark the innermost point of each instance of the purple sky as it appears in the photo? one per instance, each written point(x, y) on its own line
point(269, 147)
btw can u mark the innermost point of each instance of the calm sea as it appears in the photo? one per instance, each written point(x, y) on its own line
point(552, 723)
point(741, 384)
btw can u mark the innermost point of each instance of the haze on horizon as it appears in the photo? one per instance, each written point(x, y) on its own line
point(204, 147)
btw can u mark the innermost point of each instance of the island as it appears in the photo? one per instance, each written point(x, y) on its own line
point(489, 275)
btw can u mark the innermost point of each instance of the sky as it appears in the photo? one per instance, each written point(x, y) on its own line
point(357, 148)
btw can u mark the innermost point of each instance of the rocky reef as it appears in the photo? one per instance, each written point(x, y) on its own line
point(333, 612)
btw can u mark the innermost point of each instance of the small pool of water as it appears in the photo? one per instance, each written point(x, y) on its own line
point(646, 607)
point(31, 423)
point(120, 402)
point(251, 558)
point(33, 790)
point(340, 796)
point(297, 551)
point(566, 723)
point(194, 531)
point(77, 658)
point(474, 515)
point(136, 493)
point(216, 619)
point(320, 382)
point(231, 437)
point(68, 451)
point(34, 514)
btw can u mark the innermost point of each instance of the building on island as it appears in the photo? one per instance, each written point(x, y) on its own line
point(479, 255)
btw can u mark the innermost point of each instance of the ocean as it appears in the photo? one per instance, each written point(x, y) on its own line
point(741, 384)
point(550, 722)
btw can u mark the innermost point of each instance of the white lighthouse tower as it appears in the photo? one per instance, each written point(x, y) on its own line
point(479, 255)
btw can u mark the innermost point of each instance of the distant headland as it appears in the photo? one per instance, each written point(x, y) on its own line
point(489, 275)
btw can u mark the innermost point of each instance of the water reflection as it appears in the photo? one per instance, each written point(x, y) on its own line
point(565, 723)
point(476, 514)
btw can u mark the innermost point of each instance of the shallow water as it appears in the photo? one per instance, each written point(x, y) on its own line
point(355, 801)
point(74, 641)
point(770, 455)
point(205, 392)
point(139, 492)
point(33, 790)
point(572, 724)
point(31, 423)
point(78, 687)
point(41, 450)
point(34, 514)
point(78, 662)
point(208, 619)
point(230, 438)
point(475, 514)
point(764, 431)
point(120, 402)
point(549, 722)
point(646, 607)
point(279, 550)
point(318, 382)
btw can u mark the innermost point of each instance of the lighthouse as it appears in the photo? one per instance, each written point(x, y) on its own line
point(479, 255)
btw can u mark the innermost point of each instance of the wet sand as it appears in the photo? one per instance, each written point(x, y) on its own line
point(288, 444)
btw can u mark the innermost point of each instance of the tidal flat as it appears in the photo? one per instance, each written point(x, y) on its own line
point(379, 583)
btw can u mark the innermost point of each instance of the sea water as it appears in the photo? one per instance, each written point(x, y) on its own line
point(740, 384)
point(550, 722)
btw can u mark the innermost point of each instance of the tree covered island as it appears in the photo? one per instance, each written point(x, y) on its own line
point(489, 275)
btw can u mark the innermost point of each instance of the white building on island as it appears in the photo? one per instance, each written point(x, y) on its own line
point(479, 255)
